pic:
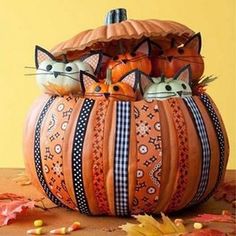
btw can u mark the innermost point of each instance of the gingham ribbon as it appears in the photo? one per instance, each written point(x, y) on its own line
point(121, 158)
point(220, 138)
point(206, 152)
point(77, 151)
point(37, 154)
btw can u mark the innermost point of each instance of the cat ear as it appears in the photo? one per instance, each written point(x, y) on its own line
point(157, 47)
point(131, 78)
point(143, 47)
point(94, 60)
point(184, 74)
point(42, 54)
point(87, 80)
point(194, 42)
point(144, 82)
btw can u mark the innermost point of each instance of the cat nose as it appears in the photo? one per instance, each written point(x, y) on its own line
point(106, 95)
point(56, 73)
point(170, 58)
point(180, 93)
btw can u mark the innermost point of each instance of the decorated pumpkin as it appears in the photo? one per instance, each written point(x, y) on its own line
point(99, 154)
point(169, 61)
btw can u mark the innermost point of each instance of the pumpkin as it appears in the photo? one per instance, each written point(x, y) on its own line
point(169, 61)
point(138, 59)
point(124, 89)
point(106, 156)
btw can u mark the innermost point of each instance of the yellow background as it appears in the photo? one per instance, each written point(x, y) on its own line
point(48, 22)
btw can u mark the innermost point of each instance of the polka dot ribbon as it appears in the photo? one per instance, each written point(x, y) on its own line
point(77, 151)
point(37, 154)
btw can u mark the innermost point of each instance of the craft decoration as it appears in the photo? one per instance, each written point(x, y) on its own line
point(62, 78)
point(117, 145)
point(169, 61)
point(164, 88)
point(124, 89)
point(122, 64)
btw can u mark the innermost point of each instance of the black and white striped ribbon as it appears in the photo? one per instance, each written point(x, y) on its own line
point(37, 154)
point(77, 151)
point(206, 152)
point(220, 138)
point(121, 158)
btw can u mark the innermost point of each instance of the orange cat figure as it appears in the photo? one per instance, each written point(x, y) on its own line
point(124, 89)
point(138, 59)
point(169, 61)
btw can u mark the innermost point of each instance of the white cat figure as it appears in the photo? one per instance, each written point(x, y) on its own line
point(162, 88)
point(62, 78)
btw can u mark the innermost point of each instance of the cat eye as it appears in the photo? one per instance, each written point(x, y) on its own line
point(116, 88)
point(97, 89)
point(168, 87)
point(68, 68)
point(160, 52)
point(184, 86)
point(48, 67)
point(133, 54)
point(180, 50)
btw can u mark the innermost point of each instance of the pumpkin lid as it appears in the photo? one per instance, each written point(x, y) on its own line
point(124, 30)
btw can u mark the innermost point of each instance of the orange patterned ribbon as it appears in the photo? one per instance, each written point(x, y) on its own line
point(98, 173)
point(52, 155)
point(183, 158)
point(149, 157)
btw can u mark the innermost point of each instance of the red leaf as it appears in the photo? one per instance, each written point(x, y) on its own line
point(206, 232)
point(10, 205)
point(226, 191)
point(206, 218)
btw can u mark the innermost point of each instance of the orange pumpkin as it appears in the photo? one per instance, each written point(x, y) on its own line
point(138, 59)
point(169, 61)
point(123, 90)
point(107, 156)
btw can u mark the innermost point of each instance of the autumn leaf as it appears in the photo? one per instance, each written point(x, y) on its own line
point(226, 191)
point(206, 232)
point(11, 205)
point(207, 218)
point(151, 227)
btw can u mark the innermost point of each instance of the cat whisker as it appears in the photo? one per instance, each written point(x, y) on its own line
point(187, 56)
point(71, 77)
point(38, 74)
point(194, 62)
point(31, 67)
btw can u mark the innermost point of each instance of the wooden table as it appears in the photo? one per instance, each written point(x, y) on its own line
point(98, 226)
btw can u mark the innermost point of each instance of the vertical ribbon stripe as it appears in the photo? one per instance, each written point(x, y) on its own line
point(98, 164)
point(77, 151)
point(183, 155)
point(220, 137)
point(206, 152)
point(149, 157)
point(121, 158)
point(37, 154)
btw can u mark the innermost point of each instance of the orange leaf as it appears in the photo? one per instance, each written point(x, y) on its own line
point(206, 218)
point(12, 204)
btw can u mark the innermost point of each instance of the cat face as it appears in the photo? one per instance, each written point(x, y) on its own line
point(176, 57)
point(163, 88)
point(138, 59)
point(62, 78)
point(122, 90)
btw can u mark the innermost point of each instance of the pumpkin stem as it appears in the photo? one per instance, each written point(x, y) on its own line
point(108, 76)
point(115, 16)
